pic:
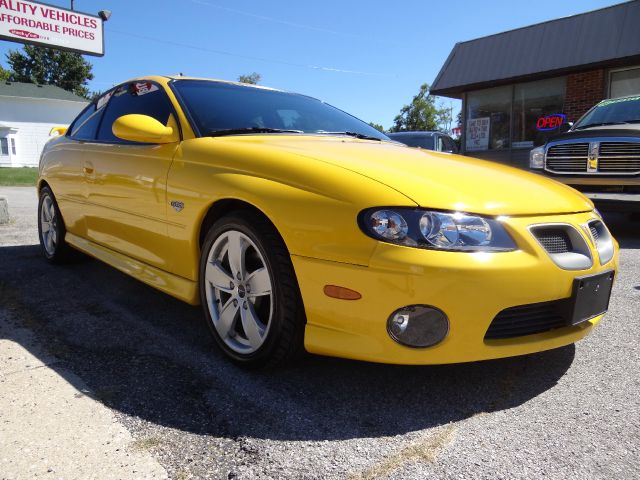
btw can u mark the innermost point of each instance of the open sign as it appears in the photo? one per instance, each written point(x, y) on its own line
point(550, 122)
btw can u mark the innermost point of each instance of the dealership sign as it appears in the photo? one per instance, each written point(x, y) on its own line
point(40, 24)
point(550, 122)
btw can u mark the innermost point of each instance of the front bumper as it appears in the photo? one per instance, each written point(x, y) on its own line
point(471, 288)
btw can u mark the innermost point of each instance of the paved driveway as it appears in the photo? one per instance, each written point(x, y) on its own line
point(147, 358)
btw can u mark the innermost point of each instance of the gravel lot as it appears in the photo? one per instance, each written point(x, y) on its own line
point(568, 413)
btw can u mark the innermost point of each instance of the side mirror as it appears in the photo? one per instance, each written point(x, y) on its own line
point(143, 129)
point(57, 131)
point(565, 127)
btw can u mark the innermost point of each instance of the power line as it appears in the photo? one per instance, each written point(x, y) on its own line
point(248, 57)
point(281, 22)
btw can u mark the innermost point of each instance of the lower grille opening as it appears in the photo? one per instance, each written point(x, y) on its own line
point(527, 320)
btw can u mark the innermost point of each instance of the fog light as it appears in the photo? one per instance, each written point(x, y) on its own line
point(418, 326)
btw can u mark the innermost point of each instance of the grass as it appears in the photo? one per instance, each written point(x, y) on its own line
point(18, 177)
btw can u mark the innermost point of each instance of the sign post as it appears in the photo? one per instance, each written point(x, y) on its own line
point(30, 22)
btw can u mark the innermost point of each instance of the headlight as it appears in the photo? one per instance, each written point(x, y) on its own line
point(437, 230)
point(536, 158)
point(389, 225)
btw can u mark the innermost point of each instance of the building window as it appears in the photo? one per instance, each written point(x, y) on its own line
point(624, 82)
point(4, 146)
point(533, 103)
point(488, 119)
point(13, 146)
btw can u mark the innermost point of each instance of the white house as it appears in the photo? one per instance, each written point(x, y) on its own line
point(27, 114)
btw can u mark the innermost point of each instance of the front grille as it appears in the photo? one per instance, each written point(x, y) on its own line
point(553, 239)
point(568, 157)
point(619, 157)
point(613, 158)
point(527, 320)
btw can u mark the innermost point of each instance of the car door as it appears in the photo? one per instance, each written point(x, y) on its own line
point(126, 205)
point(67, 167)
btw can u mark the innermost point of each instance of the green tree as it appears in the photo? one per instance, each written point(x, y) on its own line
point(421, 114)
point(47, 66)
point(252, 78)
point(377, 126)
point(4, 74)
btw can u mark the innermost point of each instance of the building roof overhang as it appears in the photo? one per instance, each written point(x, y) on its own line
point(608, 37)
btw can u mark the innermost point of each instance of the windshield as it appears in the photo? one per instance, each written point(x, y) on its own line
point(232, 109)
point(612, 112)
point(422, 141)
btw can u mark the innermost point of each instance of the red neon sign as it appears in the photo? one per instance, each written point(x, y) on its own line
point(550, 122)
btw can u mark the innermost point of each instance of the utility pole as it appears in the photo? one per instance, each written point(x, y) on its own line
point(72, 4)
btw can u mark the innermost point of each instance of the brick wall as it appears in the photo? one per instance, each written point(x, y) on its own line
point(584, 90)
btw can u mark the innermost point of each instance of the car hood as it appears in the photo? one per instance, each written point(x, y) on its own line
point(436, 180)
point(628, 130)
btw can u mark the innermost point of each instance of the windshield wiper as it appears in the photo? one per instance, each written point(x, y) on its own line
point(240, 131)
point(361, 136)
point(599, 125)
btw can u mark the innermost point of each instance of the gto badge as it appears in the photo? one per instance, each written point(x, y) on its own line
point(177, 206)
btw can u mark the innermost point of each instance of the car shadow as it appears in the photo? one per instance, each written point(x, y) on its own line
point(147, 355)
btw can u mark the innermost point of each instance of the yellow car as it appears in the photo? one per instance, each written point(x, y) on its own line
point(296, 225)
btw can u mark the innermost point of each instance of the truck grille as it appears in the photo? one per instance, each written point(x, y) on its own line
point(619, 157)
point(613, 158)
point(568, 157)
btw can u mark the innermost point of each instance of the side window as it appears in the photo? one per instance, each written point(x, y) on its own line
point(86, 125)
point(143, 98)
point(80, 119)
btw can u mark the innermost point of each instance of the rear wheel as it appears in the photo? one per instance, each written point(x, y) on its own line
point(249, 291)
point(51, 229)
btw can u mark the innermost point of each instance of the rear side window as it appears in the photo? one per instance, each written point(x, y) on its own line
point(143, 98)
point(85, 126)
point(420, 141)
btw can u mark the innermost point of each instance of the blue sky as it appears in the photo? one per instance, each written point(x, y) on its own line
point(366, 57)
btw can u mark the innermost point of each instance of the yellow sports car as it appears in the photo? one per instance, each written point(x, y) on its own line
point(296, 225)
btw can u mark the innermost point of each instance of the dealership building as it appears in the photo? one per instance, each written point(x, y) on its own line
point(517, 86)
point(27, 113)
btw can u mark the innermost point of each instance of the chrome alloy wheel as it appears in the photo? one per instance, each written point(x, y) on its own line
point(239, 292)
point(48, 225)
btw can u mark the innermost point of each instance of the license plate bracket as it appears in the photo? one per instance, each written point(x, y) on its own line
point(590, 296)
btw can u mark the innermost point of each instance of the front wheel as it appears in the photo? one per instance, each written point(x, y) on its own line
point(249, 292)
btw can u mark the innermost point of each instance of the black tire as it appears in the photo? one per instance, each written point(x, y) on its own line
point(59, 251)
point(284, 337)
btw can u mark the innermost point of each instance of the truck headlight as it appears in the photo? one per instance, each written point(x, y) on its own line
point(536, 158)
point(436, 230)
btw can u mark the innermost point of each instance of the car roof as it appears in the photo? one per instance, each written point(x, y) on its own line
point(164, 78)
point(415, 133)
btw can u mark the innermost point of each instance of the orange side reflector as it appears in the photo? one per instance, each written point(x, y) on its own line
point(341, 292)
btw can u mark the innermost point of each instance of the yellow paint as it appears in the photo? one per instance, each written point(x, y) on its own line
point(115, 200)
point(144, 129)
point(178, 287)
point(57, 131)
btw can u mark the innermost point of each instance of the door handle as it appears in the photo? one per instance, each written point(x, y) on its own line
point(87, 169)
